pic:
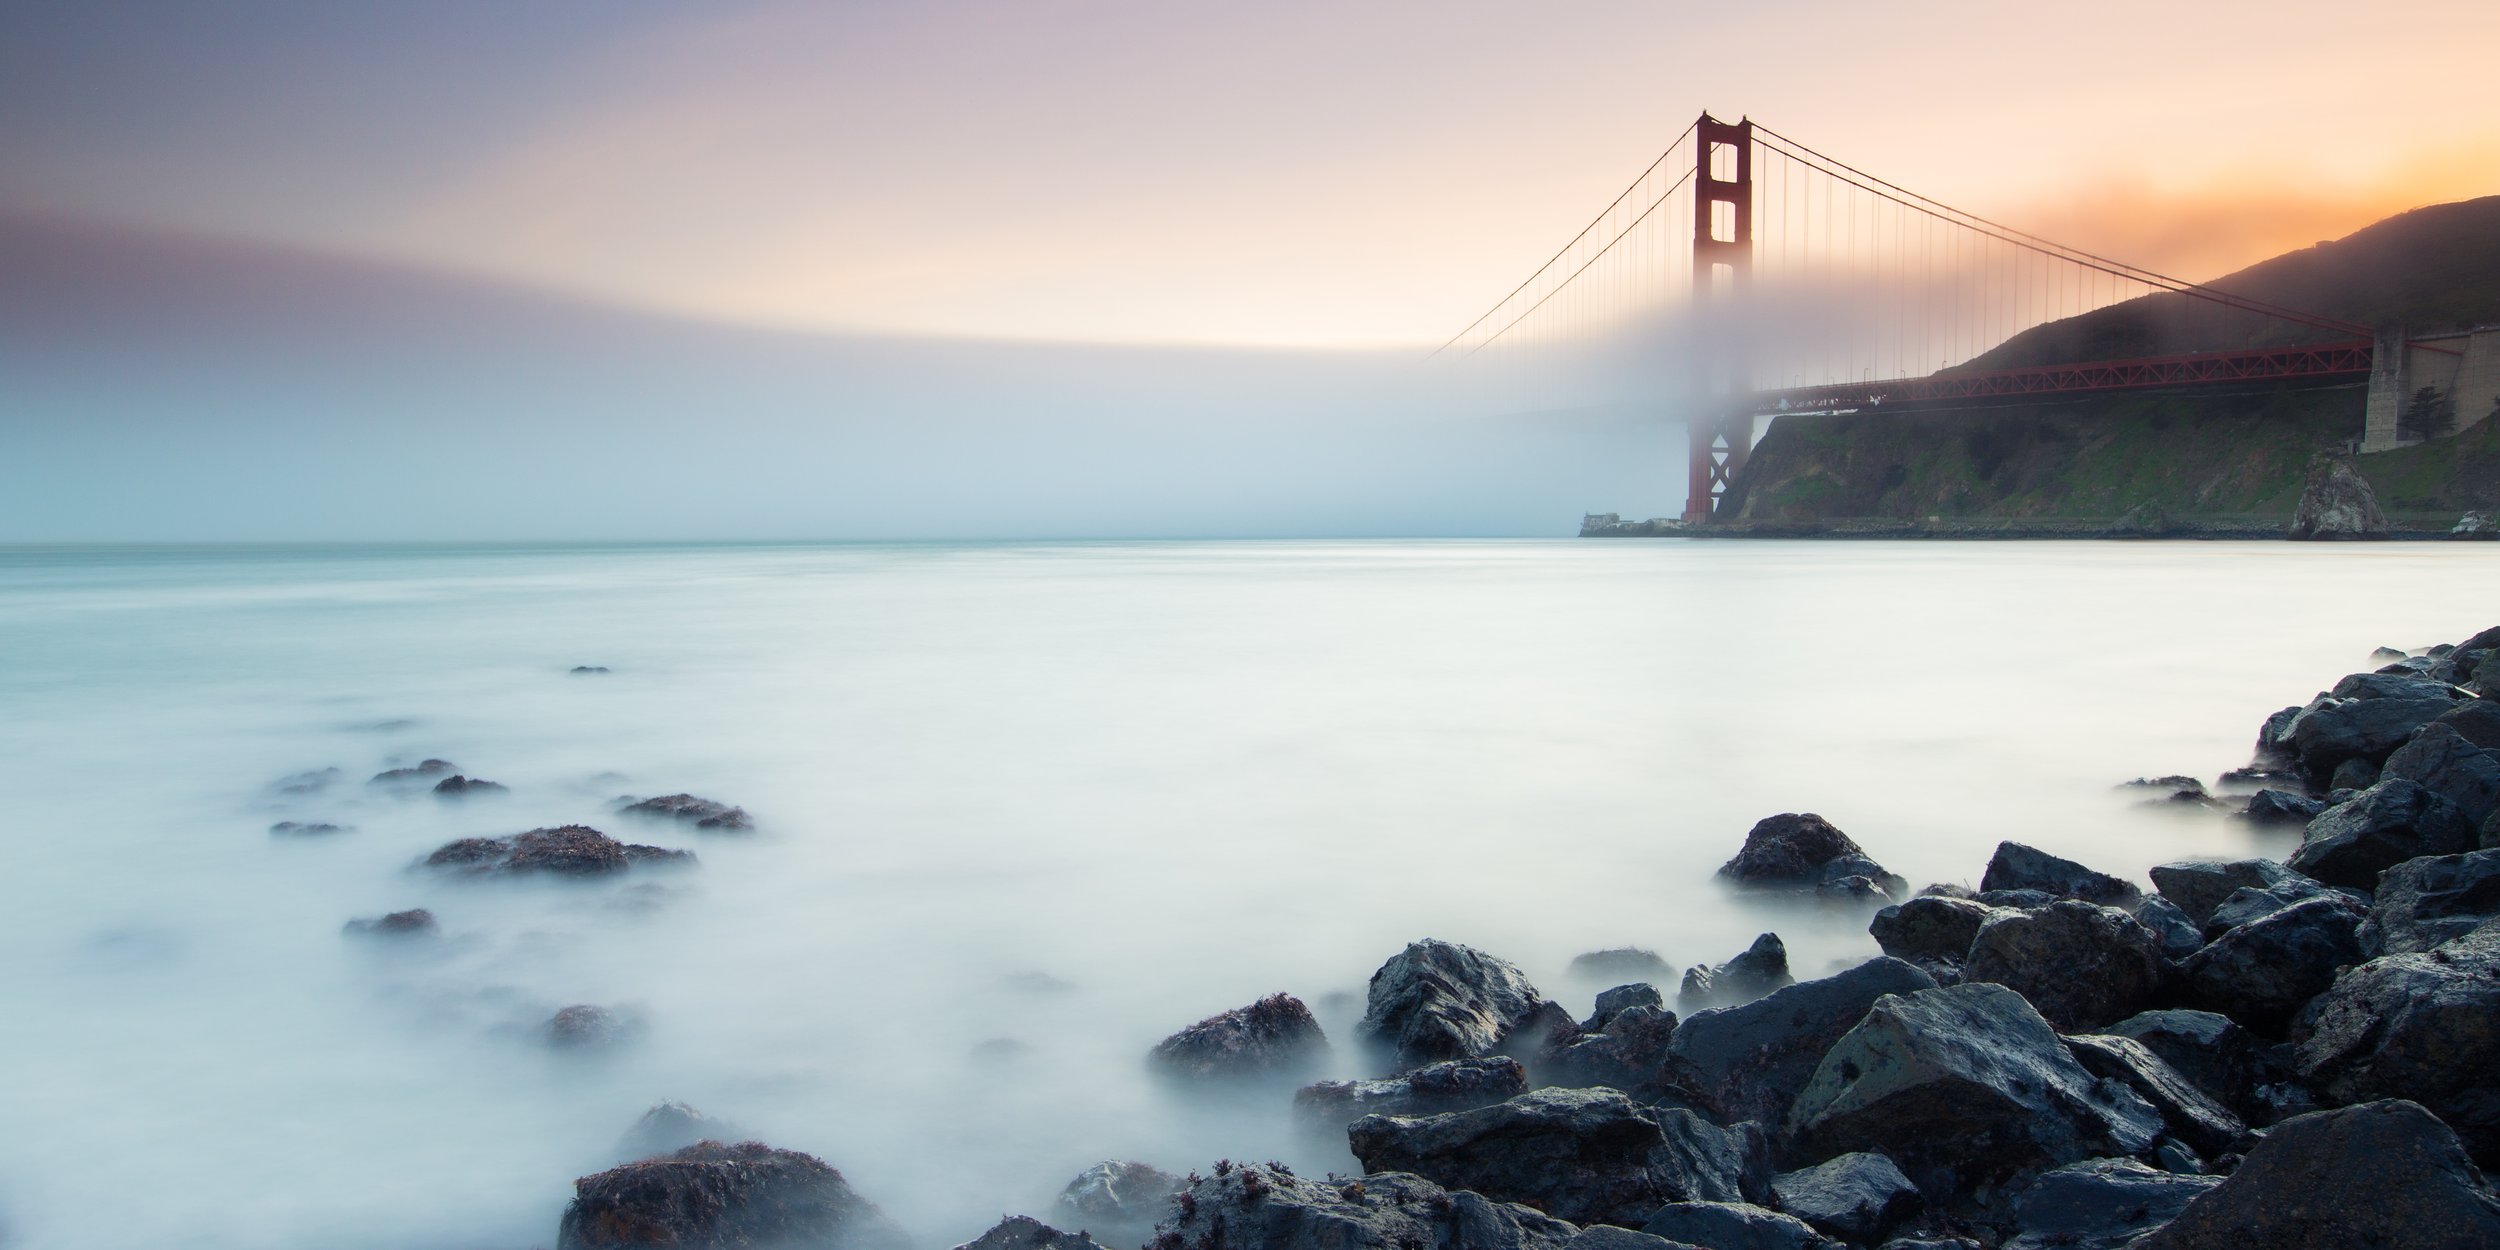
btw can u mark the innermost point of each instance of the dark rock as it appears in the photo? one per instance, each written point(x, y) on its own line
point(1624, 1159)
point(1266, 1207)
point(1630, 1054)
point(2262, 972)
point(2336, 730)
point(1856, 892)
point(1931, 931)
point(2100, 1204)
point(1435, 1088)
point(589, 670)
point(1754, 972)
point(2254, 778)
point(2421, 903)
point(2275, 749)
point(1273, 1038)
point(701, 813)
point(583, 1026)
point(2445, 763)
point(2165, 787)
point(1948, 889)
point(2381, 1174)
point(711, 1196)
point(2278, 807)
point(2336, 504)
point(1734, 1226)
point(2246, 905)
point(2194, 1116)
point(2199, 885)
point(1620, 963)
point(2016, 900)
point(2350, 778)
point(2080, 964)
point(2353, 842)
point(312, 782)
point(456, 786)
point(2381, 654)
point(1932, 1243)
point(2477, 721)
point(1613, 1002)
point(2019, 867)
point(1438, 1000)
point(569, 851)
point(2389, 686)
point(415, 922)
point(306, 829)
point(2178, 935)
point(668, 1127)
point(427, 771)
point(2223, 1059)
point(2424, 1027)
point(1023, 1232)
point(1800, 851)
point(1119, 1199)
point(1749, 1062)
point(1855, 1197)
point(1964, 1087)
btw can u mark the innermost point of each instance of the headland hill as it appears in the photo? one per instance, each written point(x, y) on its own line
point(2265, 459)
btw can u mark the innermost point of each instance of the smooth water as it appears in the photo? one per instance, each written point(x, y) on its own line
point(1071, 796)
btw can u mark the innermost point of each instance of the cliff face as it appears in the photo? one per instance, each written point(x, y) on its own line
point(2177, 454)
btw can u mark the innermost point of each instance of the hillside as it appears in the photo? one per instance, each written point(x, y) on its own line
point(2173, 454)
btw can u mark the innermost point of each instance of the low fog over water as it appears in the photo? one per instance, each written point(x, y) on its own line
point(1022, 810)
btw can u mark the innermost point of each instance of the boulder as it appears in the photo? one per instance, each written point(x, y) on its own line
point(1620, 963)
point(1119, 1199)
point(686, 808)
point(2019, 867)
point(1801, 851)
point(2380, 1174)
point(2389, 686)
point(2349, 778)
point(2248, 904)
point(2424, 1027)
point(2278, 807)
point(415, 922)
point(2080, 964)
point(1273, 1038)
point(1613, 1002)
point(2224, 1060)
point(568, 851)
point(2199, 885)
point(2444, 762)
point(1625, 1159)
point(1630, 1054)
point(1754, 972)
point(2335, 731)
point(1964, 1087)
point(1270, 1208)
point(2421, 903)
point(1932, 931)
point(667, 1127)
point(1749, 1062)
point(1734, 1226)
point(1439, 1000)
point(712, 1196)
point(2262, 972)
point(1451, 1085)
point(2395, 820)
point(2178, 935)
point(455, 787)
point(2336, 503)
point(2194, 1116)
point(2477, 720)
point(1023, 1232)
point(586, 1026)
point(2100, 1204)
point(2275, 750)
point(1855, 1197)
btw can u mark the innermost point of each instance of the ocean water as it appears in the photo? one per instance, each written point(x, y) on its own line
point(1023, 810)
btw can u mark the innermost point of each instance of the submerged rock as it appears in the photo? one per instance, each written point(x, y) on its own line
point(2080, 964)
point(586, 1026)
point(701, 813)
point(1275, 1037)
point(1119, 1199)
point(2380, 1174)
point(1270, 1208)
point(1624, 1159)
point(1439, 1000)
point(1754, 972)
point(312, 781)
point(1803, 851)
point(1749, 1062)
point(456, 786)
point(588, 670)
point(307, 829)
point(711, 1196)
point(2351, 843)
point(1023, 1232)
point(427, 771)
point(2019, 867)
point(1435, 1088)
point(1964, 1087)
point(670, 1126)
point(1620, 963)
point(415, 922)
point(2423, 1027)
point(569, 851)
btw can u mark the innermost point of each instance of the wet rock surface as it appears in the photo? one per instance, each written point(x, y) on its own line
point(1749, 1062)
point(1275, 1037)
point(1933, 931)
point(2262, 972)
point(1629, 1052)
point(1618, 1161)
point(2379, 1174)
point(1439, 1000)
point(713, 1196)
point(2424, 1027)
point(2080, 964)
point(1435, 1088)
point(2351, 843)
point(2423, 902)
point(2019, 867)
point(2198, 886)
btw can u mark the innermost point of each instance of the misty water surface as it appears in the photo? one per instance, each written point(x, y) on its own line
point(1024, 810)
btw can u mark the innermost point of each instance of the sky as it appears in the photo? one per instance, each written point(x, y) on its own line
point(1310, 175)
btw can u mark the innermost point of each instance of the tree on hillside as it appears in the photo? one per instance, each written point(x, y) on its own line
point(2429, 414)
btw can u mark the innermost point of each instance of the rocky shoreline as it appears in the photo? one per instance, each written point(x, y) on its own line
point(2246, 1053)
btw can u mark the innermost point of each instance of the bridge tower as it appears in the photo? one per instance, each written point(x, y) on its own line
point(1721, 424)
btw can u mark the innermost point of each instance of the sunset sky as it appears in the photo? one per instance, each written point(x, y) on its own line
point(1311, 174)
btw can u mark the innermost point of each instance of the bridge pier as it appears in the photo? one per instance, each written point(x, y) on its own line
point(2389, 379)
point(1718, 451)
